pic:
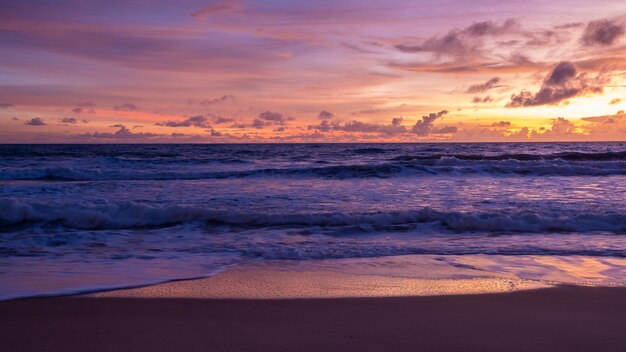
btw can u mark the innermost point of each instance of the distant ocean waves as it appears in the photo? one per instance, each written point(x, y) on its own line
point(14, 212)
point(558, 164)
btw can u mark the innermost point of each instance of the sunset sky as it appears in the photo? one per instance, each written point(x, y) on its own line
point(137, 71)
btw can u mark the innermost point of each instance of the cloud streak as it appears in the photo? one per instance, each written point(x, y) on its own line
point(462, 44)
point(125, 107)
point(483, 87)
point(194, 121)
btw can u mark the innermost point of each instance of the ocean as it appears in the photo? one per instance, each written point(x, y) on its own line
point(78, 218)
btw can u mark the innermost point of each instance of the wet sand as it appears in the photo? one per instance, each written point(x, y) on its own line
point(553, 319)
point(280, 281)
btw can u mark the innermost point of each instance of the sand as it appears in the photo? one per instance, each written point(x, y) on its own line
point(553, 319)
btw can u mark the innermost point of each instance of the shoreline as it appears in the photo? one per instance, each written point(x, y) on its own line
point(269, 282)
point(409, 275)
point(405, 275)
point(297, 306)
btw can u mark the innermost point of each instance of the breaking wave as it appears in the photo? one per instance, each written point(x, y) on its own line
point(132, 215)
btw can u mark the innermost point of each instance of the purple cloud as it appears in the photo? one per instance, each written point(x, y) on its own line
point(562, 83)
point(325, 115)
point(483, 87)
point(221, 99)
point(125, 107)
point(602, 32)
point(461, 43)
point(70, 120)
point(194, 121)
point(35, 121)
point(272, 116)
point(425, 126)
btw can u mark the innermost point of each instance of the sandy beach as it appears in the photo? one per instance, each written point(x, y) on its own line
point(271, 313)
point(555, 319)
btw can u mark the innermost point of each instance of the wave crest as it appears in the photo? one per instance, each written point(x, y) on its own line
point(133, 215)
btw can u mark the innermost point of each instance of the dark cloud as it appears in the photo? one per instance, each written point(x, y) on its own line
point(324, 126)
point(484, 28)
point(122, 133)
point(86, 107)
point(562, 83)
point(325, 115)
point(215, 133)
point(221, 99)
point(70, 120)
point(355, 126)
point(461, 43)
point(272, 116)
point(483, 87)
point(425, 126)
point(561, 74)
point(35, 121)
point(258, 124)
point(125, 107)
point(358, 126)
point(422, 127)
point(602, 32)
point(221, 119)
point(501, 124)
point(194, 121)
point(6, 106)
point(486, 99)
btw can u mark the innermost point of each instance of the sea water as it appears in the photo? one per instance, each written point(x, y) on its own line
point(75, 218)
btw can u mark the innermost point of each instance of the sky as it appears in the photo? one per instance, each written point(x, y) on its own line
point(242, 71)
